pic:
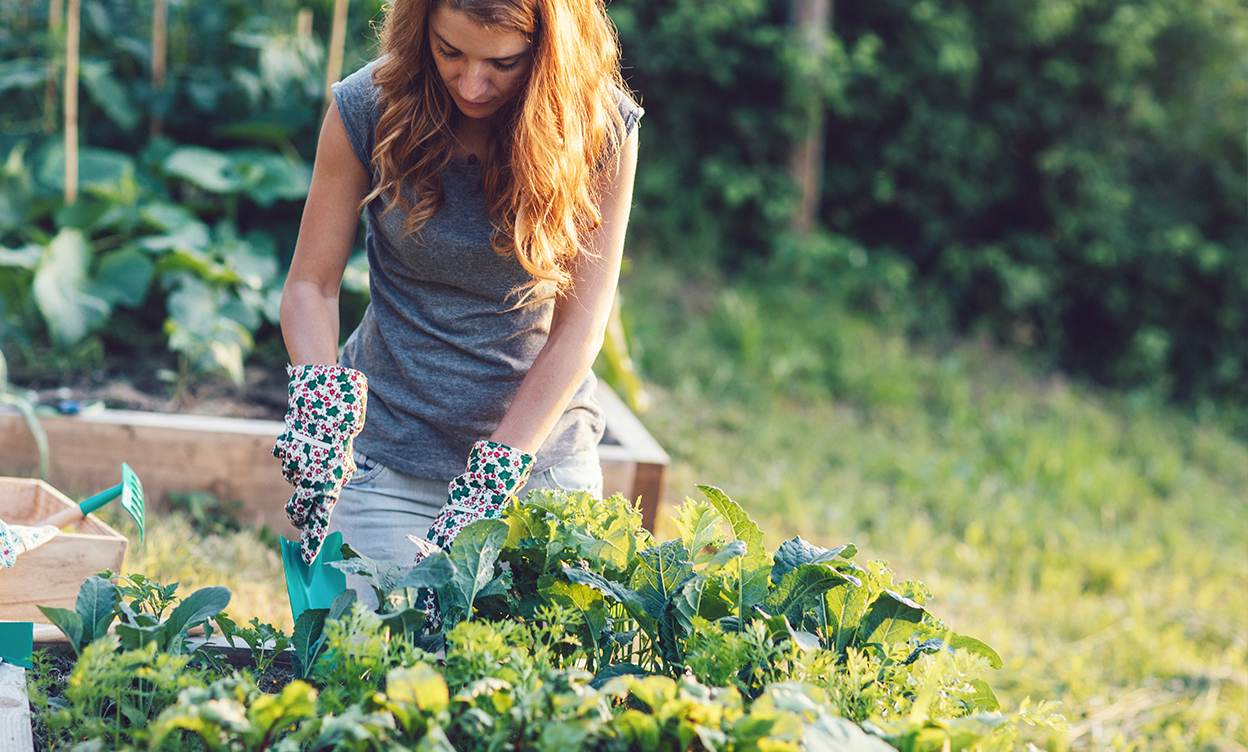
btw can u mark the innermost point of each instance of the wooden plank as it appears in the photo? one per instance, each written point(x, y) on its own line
point(627, 429)
point(635, 447)
point(15, 731)
point(648, 485)
point(232, 458)
point(618, 470)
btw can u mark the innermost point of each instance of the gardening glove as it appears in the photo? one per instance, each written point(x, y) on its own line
point(325, 413)
point(495, 473)
point(18, 539)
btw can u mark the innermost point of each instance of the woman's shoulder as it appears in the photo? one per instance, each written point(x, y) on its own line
point(358, 88)
point(359, 105)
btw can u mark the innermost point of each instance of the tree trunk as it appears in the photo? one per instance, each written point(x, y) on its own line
point(811, 21)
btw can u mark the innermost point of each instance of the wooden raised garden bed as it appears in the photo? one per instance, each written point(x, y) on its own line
point(231, 458)
point(52, 573)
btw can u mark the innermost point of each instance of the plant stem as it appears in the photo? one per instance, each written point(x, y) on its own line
point(56, 13)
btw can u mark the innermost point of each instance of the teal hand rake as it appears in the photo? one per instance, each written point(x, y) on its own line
point(130, 490)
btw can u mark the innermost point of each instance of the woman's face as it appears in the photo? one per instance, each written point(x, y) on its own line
point(482, 66)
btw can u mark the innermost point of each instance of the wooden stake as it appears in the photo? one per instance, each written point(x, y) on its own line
point(303, 24)
point(74, 14)
point(337, 43)
point(160, 52)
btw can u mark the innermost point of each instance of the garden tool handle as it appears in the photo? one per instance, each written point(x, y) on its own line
point(87, 506)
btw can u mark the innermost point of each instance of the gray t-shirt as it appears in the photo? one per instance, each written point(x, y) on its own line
point(446, 340)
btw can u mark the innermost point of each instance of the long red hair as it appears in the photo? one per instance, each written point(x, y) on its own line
point(547, 144)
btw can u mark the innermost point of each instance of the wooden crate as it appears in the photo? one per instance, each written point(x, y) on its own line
point(51, 574)
point(231, 457)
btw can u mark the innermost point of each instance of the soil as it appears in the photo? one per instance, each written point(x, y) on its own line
point(262, 396)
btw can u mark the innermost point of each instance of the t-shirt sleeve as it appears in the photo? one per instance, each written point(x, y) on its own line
point(359, 105)
point(630, 113)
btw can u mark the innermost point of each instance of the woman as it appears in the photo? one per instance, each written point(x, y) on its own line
point(492, 150)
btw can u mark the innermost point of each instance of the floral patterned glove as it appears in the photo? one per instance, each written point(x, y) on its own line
point(325, 413)
point(495, 472)
point(18, 539)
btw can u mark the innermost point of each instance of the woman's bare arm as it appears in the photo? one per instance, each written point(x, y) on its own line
point(327, 232)
point(579, 321)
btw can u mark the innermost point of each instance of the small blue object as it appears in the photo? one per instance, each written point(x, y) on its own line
point(69, 407)
point(17, 642)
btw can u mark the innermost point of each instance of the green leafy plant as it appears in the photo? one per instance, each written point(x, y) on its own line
point(146, 596)
point(94, 610)
point(140, 621)
point(232, 714)
point(177, 240)
point(170, 635)
point(265, 641)
point(713, 603)
point(358, 650)
point(566, 624)
point(113, 693)
point(129, 236)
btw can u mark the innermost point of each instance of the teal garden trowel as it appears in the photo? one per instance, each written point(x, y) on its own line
point(129, 489)
point(313, 585)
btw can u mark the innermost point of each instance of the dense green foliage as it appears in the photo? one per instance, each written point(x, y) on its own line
point(1074, 173)
point(1069, 175)
point(1095, 540)
point(563, 621)
point(181, 240)
point(238, 72)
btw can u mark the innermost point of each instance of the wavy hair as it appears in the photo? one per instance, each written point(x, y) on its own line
point(547, 144)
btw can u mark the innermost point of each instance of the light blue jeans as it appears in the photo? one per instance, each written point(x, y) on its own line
point(379, 507)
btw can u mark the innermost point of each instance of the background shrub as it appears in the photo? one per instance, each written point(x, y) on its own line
point(1068, 175)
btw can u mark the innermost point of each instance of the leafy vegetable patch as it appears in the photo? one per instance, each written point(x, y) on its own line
point(566, 625)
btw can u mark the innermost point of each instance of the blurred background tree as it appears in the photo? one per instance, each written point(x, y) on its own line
point(1068, 175)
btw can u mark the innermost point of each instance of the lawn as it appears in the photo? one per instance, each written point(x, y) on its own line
point(1099, 541)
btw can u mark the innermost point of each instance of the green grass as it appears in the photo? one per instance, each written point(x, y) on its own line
point(1098, 541)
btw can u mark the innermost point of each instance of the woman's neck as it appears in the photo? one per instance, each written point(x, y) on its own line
point(472, 139)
